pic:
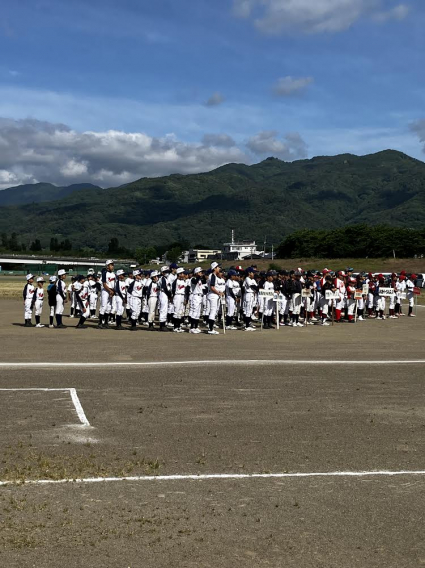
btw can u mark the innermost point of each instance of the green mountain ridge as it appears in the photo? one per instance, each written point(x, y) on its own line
point(272, 198)
point(39, 193)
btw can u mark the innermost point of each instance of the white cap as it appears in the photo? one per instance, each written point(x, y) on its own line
point(197, 270)
point(29, 276)
point(109, 262)
point(53, 278)
point(136, 272)
point(90, 271)
point(154, 273)
point(40, 279)
point(119, 272)
point(179, 270)
point(214, 265)
point(61, 272)
point(164, 268)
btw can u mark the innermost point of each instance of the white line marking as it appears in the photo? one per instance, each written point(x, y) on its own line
point(74, 397)
point(214, 476)
point(242, 362)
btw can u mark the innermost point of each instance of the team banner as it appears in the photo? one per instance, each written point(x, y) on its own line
point(365, 289)
point(388, 292)
point(358, 294)
point(266, 293)
point(306, 293)
point(329, 295)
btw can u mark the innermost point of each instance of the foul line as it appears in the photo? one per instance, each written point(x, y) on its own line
point(215, 362)
point(213, 476)
point(74, 397)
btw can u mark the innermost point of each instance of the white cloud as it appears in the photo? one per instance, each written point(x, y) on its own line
point(215, 100)
point(32, 150)
point(220, 140)
point(267, 143)
point(418, 128)
point(290, 86)
point(314, 16)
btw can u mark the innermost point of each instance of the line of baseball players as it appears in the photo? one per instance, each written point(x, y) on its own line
point(180, 299)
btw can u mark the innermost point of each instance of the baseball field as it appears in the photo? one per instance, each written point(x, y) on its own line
point(292, 448)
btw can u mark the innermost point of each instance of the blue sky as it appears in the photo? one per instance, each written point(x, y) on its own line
point(141, 86)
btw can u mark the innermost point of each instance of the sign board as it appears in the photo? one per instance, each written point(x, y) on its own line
point(358, 294)
point(388, 292)
point(306, 293)
point(365, 289)
point(417, 291)
point(278, 297)
point(266, 293)
point(329, 295)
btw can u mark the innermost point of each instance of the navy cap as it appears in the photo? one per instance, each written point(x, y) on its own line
point(174, 265)
point(232, 272)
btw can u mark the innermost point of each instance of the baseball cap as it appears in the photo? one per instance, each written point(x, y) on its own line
point(40, 279)
point(136, 272)
point(232, 273)
point(214, 265)
point(52, 278)
point(109, 262)
point(179, 270)
point(61, 272)
point(174, 265)
point(165, 269)
point(413, 276)
point(197, 270)
point(154, 273)
point(29, 276)
point(120, 272)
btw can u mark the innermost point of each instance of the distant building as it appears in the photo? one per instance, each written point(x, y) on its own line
point(198, 255)
point(240, 250)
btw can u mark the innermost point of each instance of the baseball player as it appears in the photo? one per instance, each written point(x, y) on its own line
point(195, 299)
point(152, 293)
point(51, 295)
point(60, 298)
point(233, 293)
point(28, 294)
point(120, 297)
point(250, 289)
point(135, 292)
point(178, 290)
point(38, 298)
point(107, 294)
point(215, 292)
point(410, 284)
point(82, 291)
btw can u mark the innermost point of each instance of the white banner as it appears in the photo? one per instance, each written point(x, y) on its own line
point(365, 289)
point(306, 293)
point(266, 293)
point(329, 295)
point(388, 292)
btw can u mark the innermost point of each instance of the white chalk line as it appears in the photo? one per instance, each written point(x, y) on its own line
point(215, 362)
point(74, 397)
point(214, 476)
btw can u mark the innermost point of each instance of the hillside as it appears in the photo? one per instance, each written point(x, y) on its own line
point(39, 193)
point(271, 198)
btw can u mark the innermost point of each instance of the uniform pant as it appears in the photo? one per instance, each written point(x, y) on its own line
point(136, 306)
point(295, 304)
point(105, 303)
point(163, 307)
point(84, 306)
point(28, 309)
point(283, 306)
point(152, 302)
point(324, 306)
point(380, 306)
point(268, 306)
point(392, 302)
point(248, 304)
point(370, 301)
point(178, 306)
point(195, 302)
point(360, 304)
point(231, 306)
point(38, 307)
point(351, 306)
point(119, 305)
point(205, 305)
point(59, 305)
point(114, 305)
point(213, 303)
point(93, 301)
point(411, 299)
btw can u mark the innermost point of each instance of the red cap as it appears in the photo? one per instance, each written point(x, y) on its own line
point(402, 277)
point(403, 273)
point(370, 275)
point(325, 271)
point(413, 277)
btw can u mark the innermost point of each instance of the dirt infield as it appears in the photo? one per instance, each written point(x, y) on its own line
point(345, 402)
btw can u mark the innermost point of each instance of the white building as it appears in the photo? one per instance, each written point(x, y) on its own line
point(239, 250)
point(198, 255)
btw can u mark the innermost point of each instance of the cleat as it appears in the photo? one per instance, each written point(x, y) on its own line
point(39, 325)
point(299, 324)
point(325, 323)
point(213, 332)
point(51, 326)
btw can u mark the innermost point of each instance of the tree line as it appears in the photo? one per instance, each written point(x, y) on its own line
point(354, 241)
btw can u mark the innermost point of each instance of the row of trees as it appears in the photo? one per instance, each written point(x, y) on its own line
point(355, 241)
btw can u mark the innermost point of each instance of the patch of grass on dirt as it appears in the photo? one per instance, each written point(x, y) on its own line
point(23, 462)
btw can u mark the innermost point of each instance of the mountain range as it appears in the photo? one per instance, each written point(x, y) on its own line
point(39, 193)
point(272, 198)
